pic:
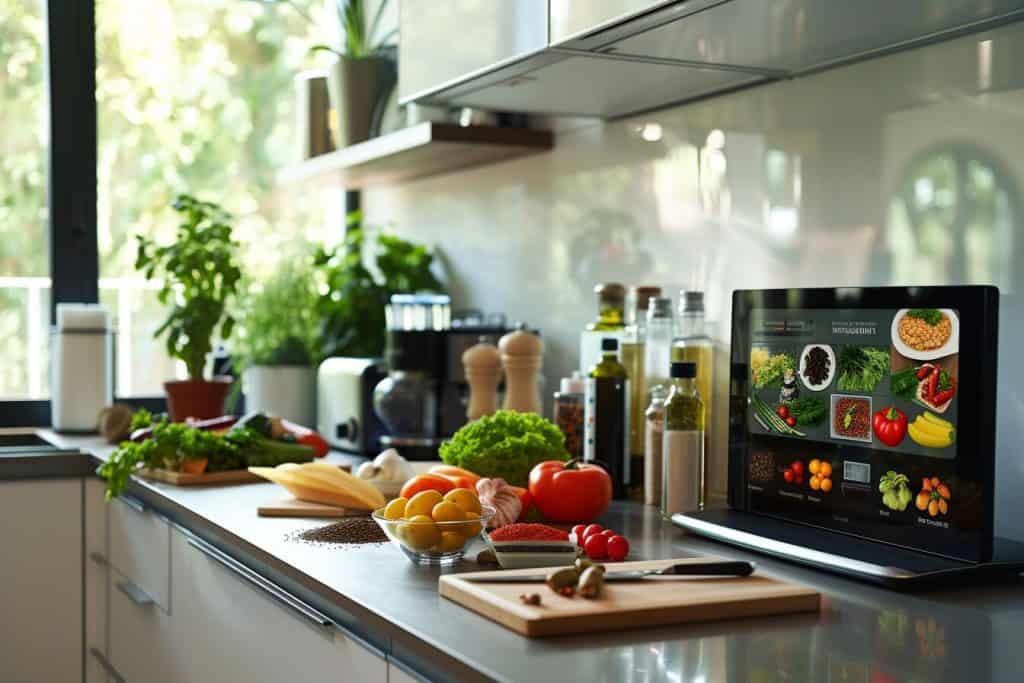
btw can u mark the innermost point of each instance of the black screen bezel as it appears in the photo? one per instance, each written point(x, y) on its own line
point(978, 306)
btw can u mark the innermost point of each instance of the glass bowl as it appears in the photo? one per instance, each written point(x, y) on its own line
point(433, 543)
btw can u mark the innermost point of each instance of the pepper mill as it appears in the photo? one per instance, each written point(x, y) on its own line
point(521, 356)
point(482, 365)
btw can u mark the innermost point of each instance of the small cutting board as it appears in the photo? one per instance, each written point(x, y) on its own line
point(628, 605)
point(204, 479)
point(293, 507)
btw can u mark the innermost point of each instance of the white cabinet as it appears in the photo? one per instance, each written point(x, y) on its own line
point(140, 549)
point(41, 576)
point(96, 584)
point(236, 626)
point(398, 674)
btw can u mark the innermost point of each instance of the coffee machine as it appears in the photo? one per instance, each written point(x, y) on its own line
point(422, 400)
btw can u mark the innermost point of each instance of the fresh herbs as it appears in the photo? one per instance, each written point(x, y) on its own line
point(768, 370)
point(808, 411)
point(769, 419)
point(175, 443)
point(200, 273)
point(932, 316)
point(861, 368)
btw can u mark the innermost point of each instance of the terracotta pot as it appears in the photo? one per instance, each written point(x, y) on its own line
point(196, 398)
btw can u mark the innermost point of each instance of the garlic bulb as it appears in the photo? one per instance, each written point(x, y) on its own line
point(500, 496)
point(388, 466)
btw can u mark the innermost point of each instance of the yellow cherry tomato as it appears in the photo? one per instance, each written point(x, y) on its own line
point(450, 542)
point(395, 509)
point(447, 512)
point(471, 528)
point(420, 533)
point(465, 499)
point(422, 503)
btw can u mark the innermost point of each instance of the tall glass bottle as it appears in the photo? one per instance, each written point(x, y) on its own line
point(633, 359)
point(660, 335)
point(694, 345)
point(682, 479)
point(610, 322)
point(606, 416)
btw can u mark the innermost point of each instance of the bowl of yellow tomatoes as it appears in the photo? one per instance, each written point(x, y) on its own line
point(434, 528)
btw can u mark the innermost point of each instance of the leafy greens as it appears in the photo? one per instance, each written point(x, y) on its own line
point(861, 368)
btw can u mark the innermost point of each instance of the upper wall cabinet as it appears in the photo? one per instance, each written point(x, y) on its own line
point(448, 40)
point(611, 58)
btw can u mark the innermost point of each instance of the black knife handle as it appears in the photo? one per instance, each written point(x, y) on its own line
point(736, 568)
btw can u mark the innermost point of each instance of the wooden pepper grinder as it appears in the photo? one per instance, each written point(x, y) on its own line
point(521, 354)
point(482, 365)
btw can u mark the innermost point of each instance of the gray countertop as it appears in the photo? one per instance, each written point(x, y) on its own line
point(863, 633)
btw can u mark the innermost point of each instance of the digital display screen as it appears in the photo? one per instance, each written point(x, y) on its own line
point(854, 414)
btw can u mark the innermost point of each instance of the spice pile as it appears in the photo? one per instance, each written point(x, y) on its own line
point(762, 466)
point(528, 532)
point(356, 531)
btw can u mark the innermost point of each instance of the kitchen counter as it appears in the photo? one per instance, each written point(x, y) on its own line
point(863, 633)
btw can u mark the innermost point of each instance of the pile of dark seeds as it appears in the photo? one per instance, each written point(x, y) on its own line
point(354, 531)
point(762, 466)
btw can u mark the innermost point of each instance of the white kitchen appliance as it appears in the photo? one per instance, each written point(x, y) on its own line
point(344, 404)
point(81, 367)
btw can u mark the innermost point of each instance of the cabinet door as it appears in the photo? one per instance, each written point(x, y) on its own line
point(141, 642)
point(96, 583)
point(41, 575)
point(140, 547)
point(237, 627)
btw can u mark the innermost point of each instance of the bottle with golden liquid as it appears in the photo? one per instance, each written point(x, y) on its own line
point(693, 345)
point(610, 323)
point(632, 353)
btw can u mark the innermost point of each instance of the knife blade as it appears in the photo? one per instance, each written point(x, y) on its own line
point(738, 569)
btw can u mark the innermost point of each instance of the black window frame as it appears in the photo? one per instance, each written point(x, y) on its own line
point(72, 180)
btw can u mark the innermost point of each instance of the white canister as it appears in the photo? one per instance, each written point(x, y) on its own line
point(287, 391)
point(81, 364)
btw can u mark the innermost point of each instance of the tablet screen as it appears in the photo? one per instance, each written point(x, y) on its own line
point(869, 412)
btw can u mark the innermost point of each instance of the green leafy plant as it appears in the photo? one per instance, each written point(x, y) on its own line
point(351, 314)
point(506, 444)
point(200, 276)
point(277, 323)
point(358, 40)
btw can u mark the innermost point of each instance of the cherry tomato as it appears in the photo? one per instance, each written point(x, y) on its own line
point(608, 532)
point(797, 467)
point(591, 530)
point(791, 421)
point(576, 535)
point(783, 412)
point(799, 480)
point(618, 548)
point(596, 546)
point(788, 476)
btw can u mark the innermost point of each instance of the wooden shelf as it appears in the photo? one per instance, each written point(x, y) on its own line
point(426, 149)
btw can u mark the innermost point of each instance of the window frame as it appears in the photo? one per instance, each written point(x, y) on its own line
point(71, 180)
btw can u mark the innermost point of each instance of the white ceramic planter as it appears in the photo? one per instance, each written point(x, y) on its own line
point(287, 391)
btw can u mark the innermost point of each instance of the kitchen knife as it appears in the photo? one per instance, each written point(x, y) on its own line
point(682, 569)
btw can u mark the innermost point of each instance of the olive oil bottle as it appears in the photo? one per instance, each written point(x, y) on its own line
point(610, 322)
point(606, 416)
point(682, 479)
point(692, 344)
point(633, 354)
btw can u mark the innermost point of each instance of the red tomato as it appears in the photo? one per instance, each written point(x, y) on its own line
point(797, 467)
point(608, 532)
point(570, 492)
point(618, 548)
point(791, 421)
point(591, 530)
point(596, 547)
point(576, 535)
point(788, 476)
point(424, 482)
point(783, 412)
point(798, 479)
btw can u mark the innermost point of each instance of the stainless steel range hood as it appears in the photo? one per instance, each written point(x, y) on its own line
point(611, 58)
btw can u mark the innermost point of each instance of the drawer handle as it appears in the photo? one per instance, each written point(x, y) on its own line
point(257, 581)
point(105, 663)
point(134, 593)
point(133, 503)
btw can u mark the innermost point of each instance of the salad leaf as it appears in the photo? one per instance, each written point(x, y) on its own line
point(861, 368)
point(904, 383)
point(932, 316)
point(506, 444)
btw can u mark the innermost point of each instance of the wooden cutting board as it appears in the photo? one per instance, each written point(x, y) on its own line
point(293, 507)
point(628, 605)
point(204, 479)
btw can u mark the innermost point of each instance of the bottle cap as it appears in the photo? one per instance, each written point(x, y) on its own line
point(659, 307)
point(609, 344)
point(691, 301)
point(683, 370)
point(643, 294)
point(573, 385)
point(610, 292)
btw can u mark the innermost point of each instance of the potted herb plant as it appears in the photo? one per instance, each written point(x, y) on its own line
point(351, 315)
point(363, 73)
point(275, 346)
point(199, 274)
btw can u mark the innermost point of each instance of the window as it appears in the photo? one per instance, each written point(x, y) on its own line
point(24, 270)
point(194, 96)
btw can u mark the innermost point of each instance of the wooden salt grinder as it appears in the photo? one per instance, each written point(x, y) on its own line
point(521, 356)
point(482, 365)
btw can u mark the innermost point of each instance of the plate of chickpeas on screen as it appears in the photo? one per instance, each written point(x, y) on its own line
point(926, 333)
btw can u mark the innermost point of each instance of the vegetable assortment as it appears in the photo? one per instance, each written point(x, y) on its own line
point(772, 420)
point(767, 370)
point(895, 490)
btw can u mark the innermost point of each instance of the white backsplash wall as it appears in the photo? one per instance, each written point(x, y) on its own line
point(902, 170)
